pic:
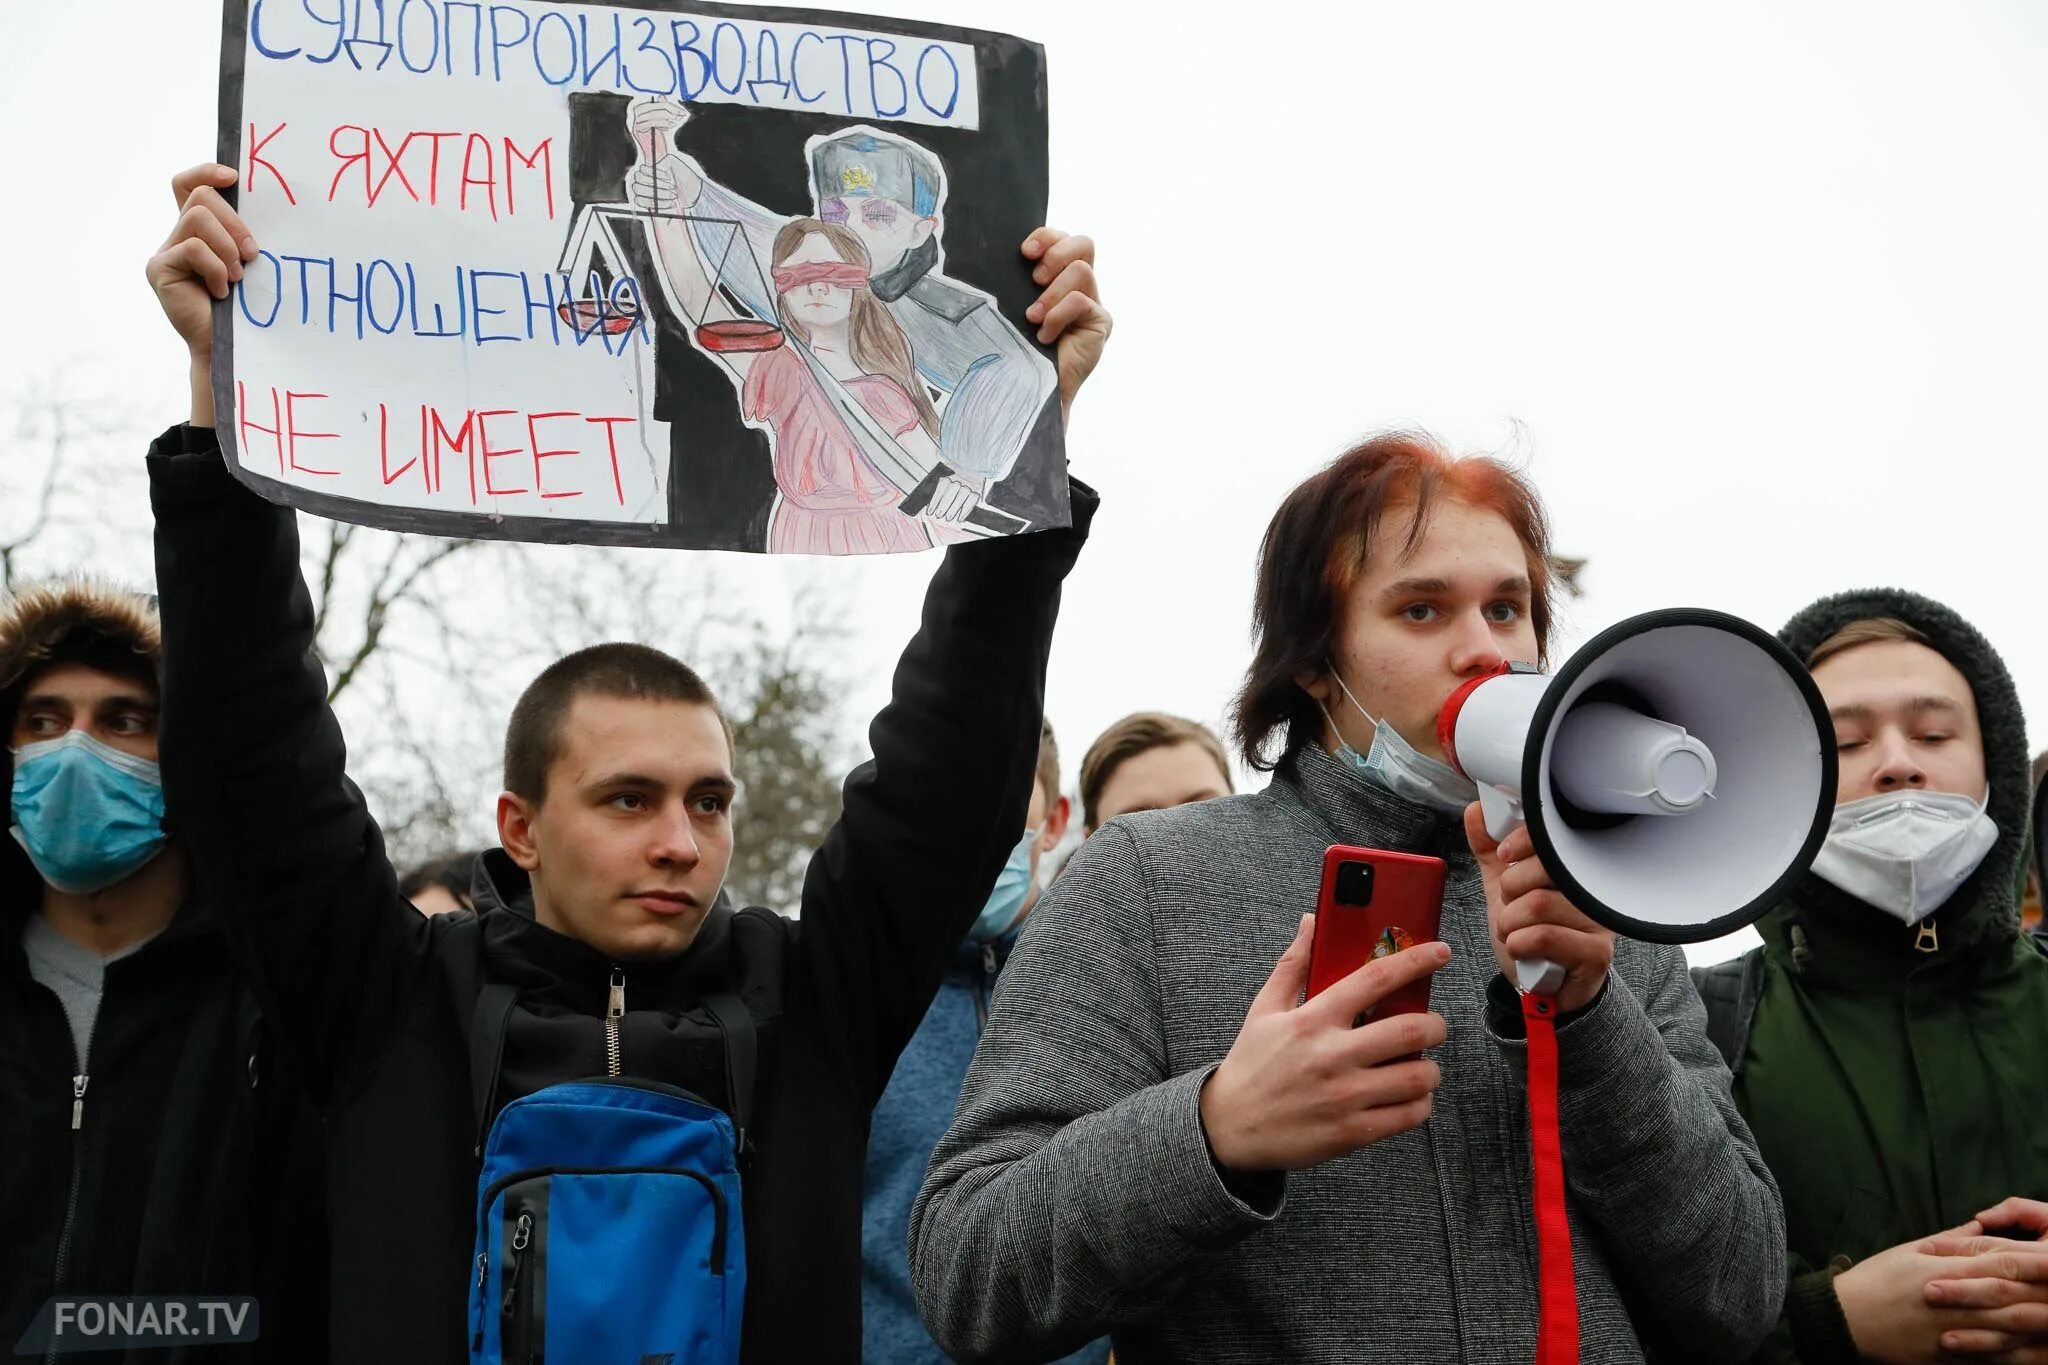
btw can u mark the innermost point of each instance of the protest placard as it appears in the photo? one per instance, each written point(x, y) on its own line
point(675, 274)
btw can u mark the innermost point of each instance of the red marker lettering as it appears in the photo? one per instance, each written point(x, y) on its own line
point(293, 435)
point(384, 450)
point(533, 437)
point(256, 159)
point(483, 440)
point(244, 426)
point(349, 158)
point(488, 180)
point(611, 442)
point(544, 154)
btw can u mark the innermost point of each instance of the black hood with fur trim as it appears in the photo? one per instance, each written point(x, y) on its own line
point(80, 619)
point(1985, 907)
point(77, 617)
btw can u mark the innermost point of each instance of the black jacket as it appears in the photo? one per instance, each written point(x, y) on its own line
point(194, 1169)
point(378, 999)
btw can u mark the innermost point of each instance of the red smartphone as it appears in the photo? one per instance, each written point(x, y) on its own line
point(1374, 903)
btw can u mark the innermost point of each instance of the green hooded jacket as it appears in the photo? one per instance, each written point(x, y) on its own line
point(1891, 1075)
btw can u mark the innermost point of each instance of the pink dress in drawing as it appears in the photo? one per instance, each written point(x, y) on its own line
point(833, 501)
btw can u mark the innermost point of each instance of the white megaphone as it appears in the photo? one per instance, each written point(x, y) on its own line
point(1677, 774)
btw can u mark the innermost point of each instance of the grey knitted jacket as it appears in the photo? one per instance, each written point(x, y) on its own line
point(1075, 1191)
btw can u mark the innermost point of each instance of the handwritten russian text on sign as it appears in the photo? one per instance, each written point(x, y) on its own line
point(686, 275)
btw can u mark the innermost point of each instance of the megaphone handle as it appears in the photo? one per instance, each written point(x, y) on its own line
point(1502, 811)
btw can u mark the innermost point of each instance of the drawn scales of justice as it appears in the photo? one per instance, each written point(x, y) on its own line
point(595, 261)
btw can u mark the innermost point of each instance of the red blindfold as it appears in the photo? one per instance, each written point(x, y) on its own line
point(839, 274)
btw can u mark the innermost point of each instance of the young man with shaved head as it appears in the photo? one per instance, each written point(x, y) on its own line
point(600, 913)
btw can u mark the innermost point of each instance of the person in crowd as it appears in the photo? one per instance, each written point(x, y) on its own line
point(155, 1142)
point(599, 910)
point(919, 1101)
point(1150, 761)
point(1158, 1139)
point(1146, 761)
point(441, 886)
point(1885, 1038)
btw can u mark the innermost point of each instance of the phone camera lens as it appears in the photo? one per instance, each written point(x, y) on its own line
point(1354, 883)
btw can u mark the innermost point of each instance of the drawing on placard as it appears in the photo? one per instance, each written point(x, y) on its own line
point(718, 290)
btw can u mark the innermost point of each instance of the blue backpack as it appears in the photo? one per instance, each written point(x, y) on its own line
point(608, 1212)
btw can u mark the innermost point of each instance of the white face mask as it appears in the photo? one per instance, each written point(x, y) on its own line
point(1394, 763)
point(1906, 852)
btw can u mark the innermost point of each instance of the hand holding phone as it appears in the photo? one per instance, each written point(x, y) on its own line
point(1302, 1083)
point(1375, 903)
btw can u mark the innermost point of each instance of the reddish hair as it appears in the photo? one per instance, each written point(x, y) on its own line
point(1317, 545)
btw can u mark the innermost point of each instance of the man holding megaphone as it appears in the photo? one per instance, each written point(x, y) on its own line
point(1159, 1138)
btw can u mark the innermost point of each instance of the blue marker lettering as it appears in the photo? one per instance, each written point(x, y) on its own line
point(276, 291)
point(370, 296)
point(767, 66)
point(952, 99)
point(590, 66)
point(882, 63)
point(647, 45)
point(568, 34)
point(739, 44)
point(433, 30)
point(256, 37)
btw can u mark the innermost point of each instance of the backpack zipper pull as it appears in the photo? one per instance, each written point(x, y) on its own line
point(522, 1234)
point(78, 1101)
point(615, 1011)
point(476, 1340)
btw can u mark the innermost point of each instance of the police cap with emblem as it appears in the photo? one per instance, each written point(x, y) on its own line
point(861, 164)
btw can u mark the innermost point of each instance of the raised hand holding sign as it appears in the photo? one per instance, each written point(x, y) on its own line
point(504, 331)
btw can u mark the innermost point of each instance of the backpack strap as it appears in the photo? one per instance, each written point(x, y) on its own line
point(736, 1025)
point(487, 1050)
point(1730, 991)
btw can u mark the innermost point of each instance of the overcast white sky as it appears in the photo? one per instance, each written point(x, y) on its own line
point(1764, 285)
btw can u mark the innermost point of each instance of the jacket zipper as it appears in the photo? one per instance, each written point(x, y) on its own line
point(1443, 1205)
point(614, 1012)
point(78, 1085)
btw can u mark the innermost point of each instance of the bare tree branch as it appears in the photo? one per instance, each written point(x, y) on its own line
point(385, 595)
point(46, 414)
point(44, 500)
point(338, 533)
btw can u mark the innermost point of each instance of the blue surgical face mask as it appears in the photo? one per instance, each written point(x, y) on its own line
point(1006, 902)
point(1393, 763)
point(87, 814)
